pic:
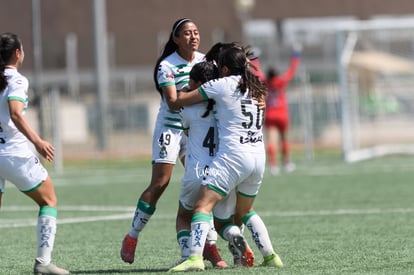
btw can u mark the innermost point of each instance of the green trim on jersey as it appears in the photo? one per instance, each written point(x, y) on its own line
point(183, 74)
point(34, 188)
point(184, 82)
point(214, 188)
point(173, 111)
point(246, 195)
point(172, 119)
point(167, 84)
point(178, 67)
point(174, 126)
point(202, 92)
point(11, 98)
point(48, 211)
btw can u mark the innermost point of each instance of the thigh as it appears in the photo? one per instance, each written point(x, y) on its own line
point(244, 206)
point(206, 200)
point(225, 209)
point(191, 181)
point(250, 185)
point(26, 173)
point(223, 173)
point(45, 194)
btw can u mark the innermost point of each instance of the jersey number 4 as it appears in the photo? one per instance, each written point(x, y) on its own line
point(209, 141)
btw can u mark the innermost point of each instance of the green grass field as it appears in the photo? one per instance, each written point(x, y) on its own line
point(327, 217)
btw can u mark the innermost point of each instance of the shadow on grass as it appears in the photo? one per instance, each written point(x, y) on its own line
point(121, 271)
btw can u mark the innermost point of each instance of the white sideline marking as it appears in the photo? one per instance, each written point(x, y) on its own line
point(335, 212)
point(13, 223)
point(88, 208)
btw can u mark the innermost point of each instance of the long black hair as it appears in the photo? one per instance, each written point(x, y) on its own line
point(203, 72)
point(236, 59)
point(9, 43)
point(169, 48)
point(213, 53)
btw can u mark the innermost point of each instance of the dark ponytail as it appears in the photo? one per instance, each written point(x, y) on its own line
point(236, 60)
point(3, 79)
point(169, 48)
point(9, 43)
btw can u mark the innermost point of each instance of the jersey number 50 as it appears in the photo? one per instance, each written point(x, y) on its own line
point(258, 117)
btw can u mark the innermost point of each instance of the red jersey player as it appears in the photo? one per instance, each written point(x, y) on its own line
point(277, 114)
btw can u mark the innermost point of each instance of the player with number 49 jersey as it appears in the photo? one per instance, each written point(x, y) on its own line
point(169, 143)
point(174, 71)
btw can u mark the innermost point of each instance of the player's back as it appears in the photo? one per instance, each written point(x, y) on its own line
point(202, 141)
point(239, 119)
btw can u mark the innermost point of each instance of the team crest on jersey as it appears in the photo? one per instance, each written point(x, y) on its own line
point(163, 152)
point(169, 76)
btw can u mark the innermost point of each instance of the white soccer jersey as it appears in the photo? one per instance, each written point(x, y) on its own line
point(202, 141)
point(174, 70)
point(202, 145)
point(239, 119)
point(167, 137)
point(12, 141)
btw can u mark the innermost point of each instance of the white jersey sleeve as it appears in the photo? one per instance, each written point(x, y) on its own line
point(174, 71)
point(12, 141)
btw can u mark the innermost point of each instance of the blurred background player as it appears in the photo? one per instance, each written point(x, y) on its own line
point(18, 164)
point(277, 115)
point(257, 68)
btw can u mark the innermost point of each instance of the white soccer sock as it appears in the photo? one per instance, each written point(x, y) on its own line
point(142, 215)
point(212, 233)
point(46, 231)
point(200, 226)
point(183, 238)
point(231, 231)
point(259, 233)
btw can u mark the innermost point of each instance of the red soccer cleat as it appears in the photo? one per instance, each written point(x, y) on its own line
point(128, 249)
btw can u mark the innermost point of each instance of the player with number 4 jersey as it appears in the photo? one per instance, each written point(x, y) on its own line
point(202, 145)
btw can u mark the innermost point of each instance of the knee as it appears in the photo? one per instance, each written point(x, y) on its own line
point(48, 201)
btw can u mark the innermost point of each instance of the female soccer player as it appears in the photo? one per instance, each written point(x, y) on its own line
point(239, 164)
point(202, 144)
point(277, 115)
point(18, 164)
point(171, 73)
